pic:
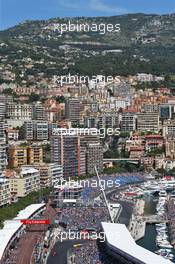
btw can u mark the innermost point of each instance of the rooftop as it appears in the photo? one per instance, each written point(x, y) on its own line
point(118, 236)
point(12, 226)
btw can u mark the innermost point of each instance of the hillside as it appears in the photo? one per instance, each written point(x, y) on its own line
point(145, 43)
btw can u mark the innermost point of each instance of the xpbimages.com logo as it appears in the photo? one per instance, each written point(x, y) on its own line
point(101, 28)
point(101, 184)
point(81, 79)
point(101, 132)
point(85, 235)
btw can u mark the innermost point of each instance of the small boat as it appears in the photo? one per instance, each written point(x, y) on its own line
point(162, 193)
point(165, 245)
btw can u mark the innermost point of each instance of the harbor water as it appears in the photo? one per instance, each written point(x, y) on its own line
point(148, 241)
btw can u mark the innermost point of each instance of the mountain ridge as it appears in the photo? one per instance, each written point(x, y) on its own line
point(145, 43)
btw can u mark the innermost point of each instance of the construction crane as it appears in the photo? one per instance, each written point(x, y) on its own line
point(104, 195)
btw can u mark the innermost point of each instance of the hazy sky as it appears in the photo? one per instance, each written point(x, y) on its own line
point(14, 11)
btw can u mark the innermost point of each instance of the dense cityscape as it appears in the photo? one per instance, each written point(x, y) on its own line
point(87, 142)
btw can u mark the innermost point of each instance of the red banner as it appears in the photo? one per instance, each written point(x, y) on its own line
point(35, 222)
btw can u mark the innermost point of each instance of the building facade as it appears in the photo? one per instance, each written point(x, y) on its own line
point(26, 182)
point(24, 155)
point(128, 121)
point(65, 151)
point(72, 110)
point(5, 196)
point(148, 122)
point(19, 111)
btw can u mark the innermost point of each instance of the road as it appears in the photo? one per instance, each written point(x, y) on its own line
point(61, 249)
point(127, 208)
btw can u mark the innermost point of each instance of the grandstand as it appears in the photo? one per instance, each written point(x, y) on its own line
point(13, 229)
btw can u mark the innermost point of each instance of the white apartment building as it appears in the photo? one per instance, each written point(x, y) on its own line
point(55, 172)
point(151, 108)
point(169, 128)
point(26, 182)
point(148, 122)
point(38, 112)
point(144, 77)
point(122, 103)
point(19, 111)
point(3, 154)
point(2, 110)
point(128, 121)
point(5, 196)
point(109, 119)
point(3, 126)
point(36, 130)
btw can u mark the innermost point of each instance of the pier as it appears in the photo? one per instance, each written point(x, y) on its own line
point(137, 224)
point(138, 221)
point(154, 219)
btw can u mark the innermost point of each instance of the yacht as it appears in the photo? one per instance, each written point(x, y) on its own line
point(165, 245)
point(162, 193)
point(173, 194)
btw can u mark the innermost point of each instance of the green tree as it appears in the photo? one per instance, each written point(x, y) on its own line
point(60, 99)
point(34, 97)
point(8, 91)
